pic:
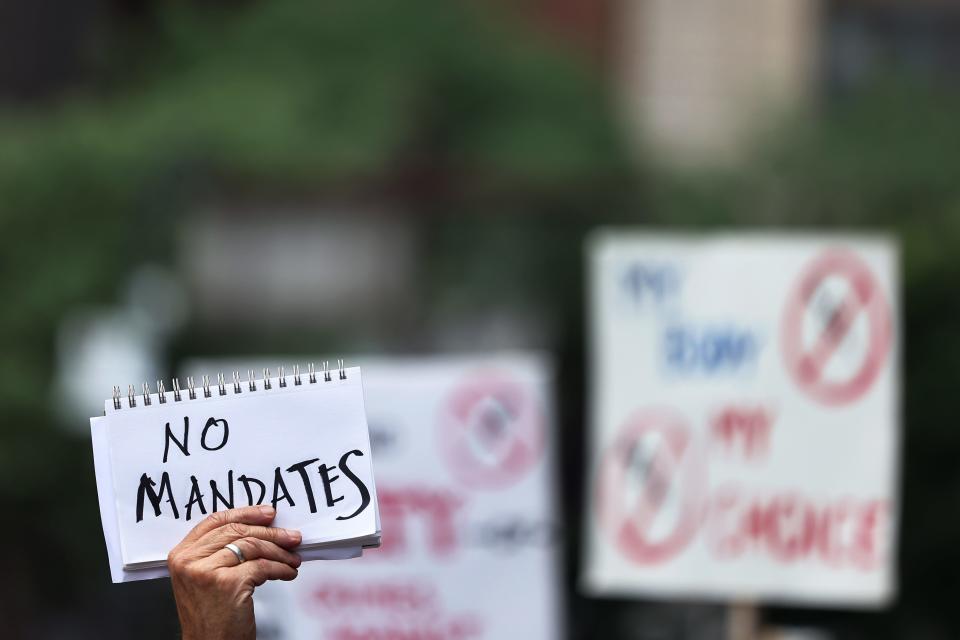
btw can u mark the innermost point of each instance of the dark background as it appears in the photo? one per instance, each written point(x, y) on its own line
point(146, 148)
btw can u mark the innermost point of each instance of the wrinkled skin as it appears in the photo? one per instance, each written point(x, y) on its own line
point(214, 592)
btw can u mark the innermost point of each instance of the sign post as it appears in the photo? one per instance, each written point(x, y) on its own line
point(742, 621)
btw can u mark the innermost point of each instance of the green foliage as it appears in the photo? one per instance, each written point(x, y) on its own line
point(286, 96)
point(314, 98)
point(289, 95)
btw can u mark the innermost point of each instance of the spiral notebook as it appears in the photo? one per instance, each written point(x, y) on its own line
point(165, 460)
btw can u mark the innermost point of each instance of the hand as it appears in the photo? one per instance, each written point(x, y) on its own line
point(214, 592)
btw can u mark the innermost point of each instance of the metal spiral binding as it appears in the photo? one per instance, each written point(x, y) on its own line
point(313, 376)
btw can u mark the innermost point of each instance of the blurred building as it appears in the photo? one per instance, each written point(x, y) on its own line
point(366, 270)
point(864, 40)
point(697, 76)
point(697, 80)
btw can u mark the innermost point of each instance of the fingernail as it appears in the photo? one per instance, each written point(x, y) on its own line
point(267, 511)
point(297, 560)
point(293, 535)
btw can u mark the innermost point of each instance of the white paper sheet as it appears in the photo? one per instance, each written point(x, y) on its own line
point(280, 437)
point(112, 536)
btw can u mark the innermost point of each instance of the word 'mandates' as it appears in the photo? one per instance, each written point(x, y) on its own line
point(310, 480)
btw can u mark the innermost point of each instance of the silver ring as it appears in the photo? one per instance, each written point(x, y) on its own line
point(236, 551)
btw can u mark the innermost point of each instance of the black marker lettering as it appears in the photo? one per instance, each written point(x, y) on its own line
point(226, 434)
point(215, 495)
point(364, 492)
point(300, 468)
point(327, 481)
point(168, 436)
point(246, 485)
point(196, 498)
point(278, 484)
point(146, 488)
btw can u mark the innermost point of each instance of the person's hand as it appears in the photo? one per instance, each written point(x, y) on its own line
point(213, 589)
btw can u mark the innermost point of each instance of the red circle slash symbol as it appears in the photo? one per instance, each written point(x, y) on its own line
point(837, 328)
point(651, 487)
point(491, 431)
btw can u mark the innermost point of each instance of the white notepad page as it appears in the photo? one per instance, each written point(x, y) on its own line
point(315, 434)
point(108, 518)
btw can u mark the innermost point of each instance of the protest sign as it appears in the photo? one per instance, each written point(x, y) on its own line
point(300, 445)
point(745, 417)
point(463, 449)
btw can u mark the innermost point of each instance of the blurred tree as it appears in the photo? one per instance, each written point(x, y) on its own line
point(416, 100)
point(443, 107)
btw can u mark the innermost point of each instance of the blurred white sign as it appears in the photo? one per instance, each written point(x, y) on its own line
point(745, 417)
point(462, 459)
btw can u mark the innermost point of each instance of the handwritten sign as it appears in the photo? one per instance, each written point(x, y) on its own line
point(464, 451)
point(304, 449)
point(745, 417)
